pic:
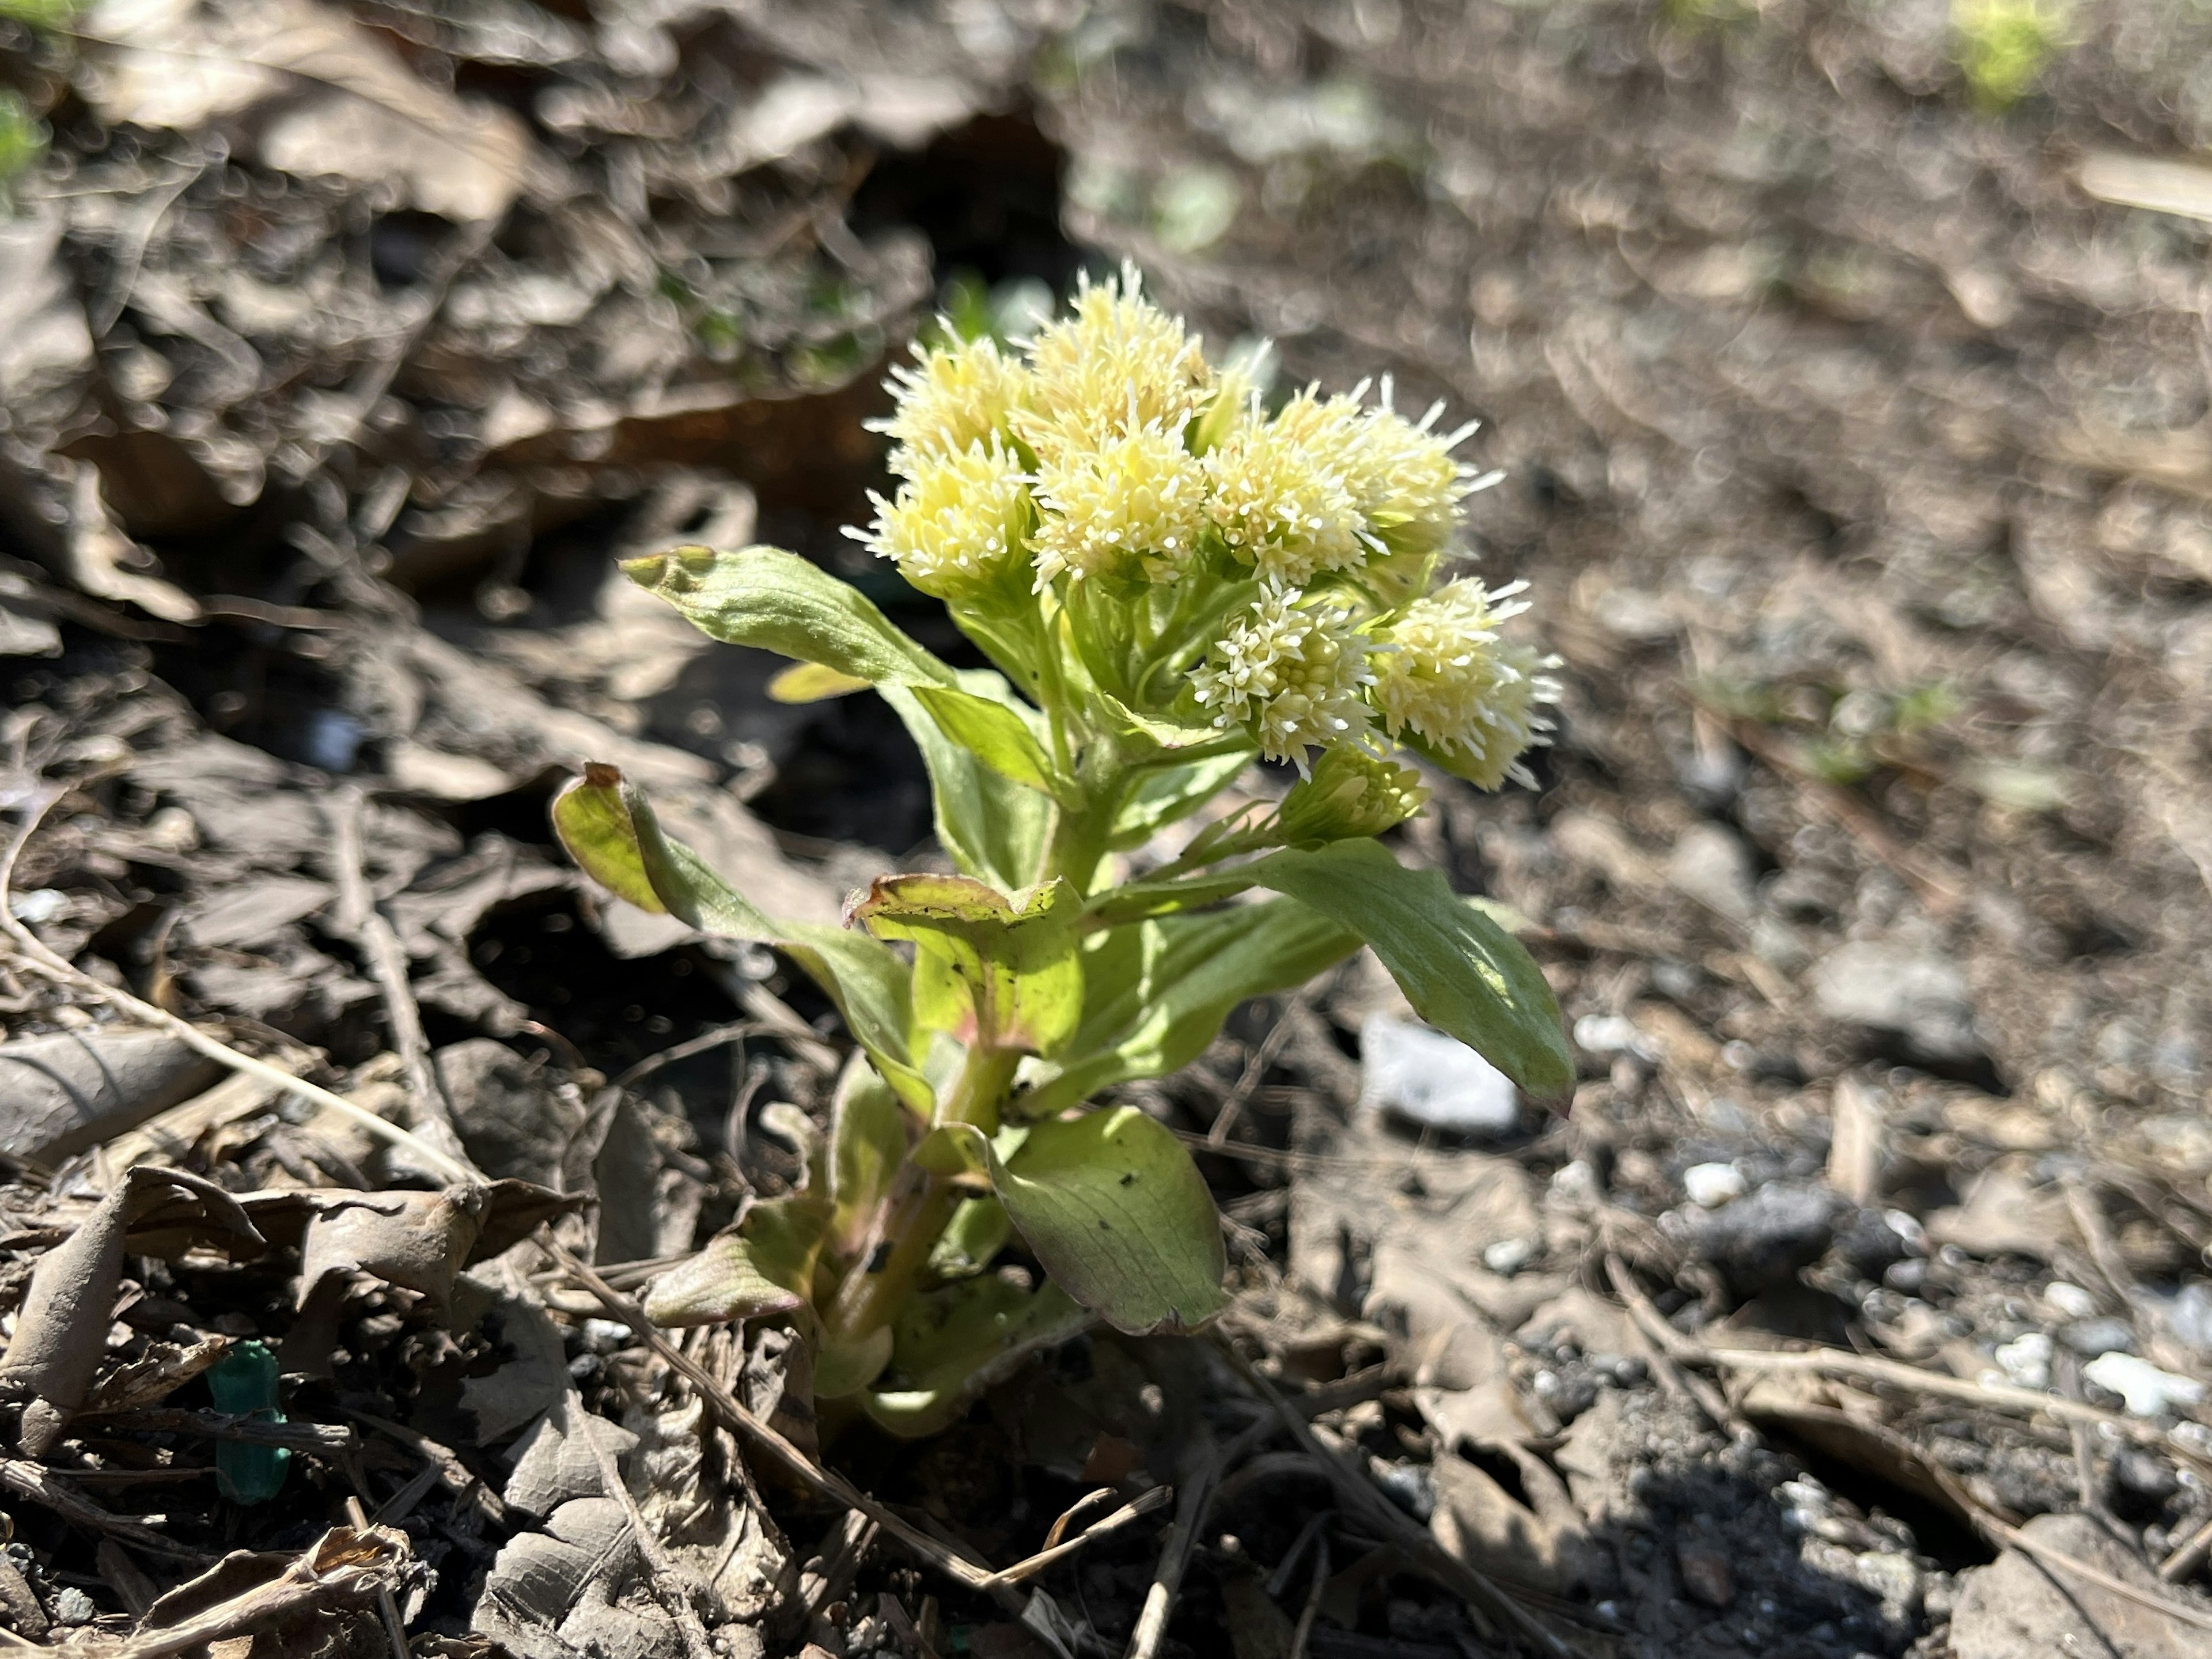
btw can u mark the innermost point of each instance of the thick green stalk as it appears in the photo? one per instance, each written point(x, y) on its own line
point(876, 1290)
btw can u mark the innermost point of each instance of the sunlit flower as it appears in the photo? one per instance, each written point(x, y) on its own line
point(1290, 674)
point(1400, 473)
point(1137, 498)
point(1114, 368)
point(1349, 793)
point(958, 523)
point(1280, 505)
point(952, 397)
point(1451, 679)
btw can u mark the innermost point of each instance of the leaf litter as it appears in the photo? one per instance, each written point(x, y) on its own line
point(321, 431)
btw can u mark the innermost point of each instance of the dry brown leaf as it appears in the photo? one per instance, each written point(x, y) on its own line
point(61, 1335)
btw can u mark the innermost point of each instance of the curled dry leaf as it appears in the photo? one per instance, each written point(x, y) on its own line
point(62, 1335)
point(245, 1593)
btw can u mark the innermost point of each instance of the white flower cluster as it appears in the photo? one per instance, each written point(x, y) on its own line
point(1107, 449)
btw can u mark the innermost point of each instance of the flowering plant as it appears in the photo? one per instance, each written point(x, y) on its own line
point(1172, 582)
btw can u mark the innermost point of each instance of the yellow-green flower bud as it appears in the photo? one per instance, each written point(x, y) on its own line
point(1399, 473)
point(959, 523)
point(1130, 501)
point(1291, 675)
point(1348, 793)
point(1444, 674)
point(955, 397)
point(1281, 506)
point(1116, 367)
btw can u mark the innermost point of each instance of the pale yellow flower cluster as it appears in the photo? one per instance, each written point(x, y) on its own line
point(1107, 447)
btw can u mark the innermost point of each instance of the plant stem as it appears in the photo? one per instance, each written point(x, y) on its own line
point(876, 1290)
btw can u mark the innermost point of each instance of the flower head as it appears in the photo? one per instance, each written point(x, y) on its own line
point(958, 521)
point(1449, 678)
point(1116, 367)
point(1399, 473)
point(1290, 673)
point(954, 396)
point(1349, 793)
point(1135, 499)
point(1281, 504)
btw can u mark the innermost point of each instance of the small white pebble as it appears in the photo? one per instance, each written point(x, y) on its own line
point(2026, 1360)
point(1609, 1034)
point(1509, 1256)
point(2068, 1301)
point(2145, 1390)
point(1712, 1185)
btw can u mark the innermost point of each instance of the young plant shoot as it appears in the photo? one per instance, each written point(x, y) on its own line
point(1172, 583)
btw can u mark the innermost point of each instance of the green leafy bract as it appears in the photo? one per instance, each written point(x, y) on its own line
point(763, 1264)
point(777, 601)
point(951, 1344)
point(609, 830)
point(998, 972)
point(991, 731)
point(1157, 991)
point(995, 829)
point(1114, 1209)
point(1463, 973)
point(867, 1145)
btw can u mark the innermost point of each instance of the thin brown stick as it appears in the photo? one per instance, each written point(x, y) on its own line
point(2178, 1566)
point(1302, 1637)
point(1867, 1367)
point(395, 1627)
point(1198, 1486)
point(358, 916)
point(36, 1484)
point(1656, 1332)
point(316, 1439)
point(1144, 1503)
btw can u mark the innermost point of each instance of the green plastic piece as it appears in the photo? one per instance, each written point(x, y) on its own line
point(244, 1384)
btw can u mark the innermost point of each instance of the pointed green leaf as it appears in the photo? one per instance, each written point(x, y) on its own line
point(777, 601)
point(995, 829)
point(845, 1366)
point(1018, 960)
point(979, 1229)
point(867, 1144)
point(1463, 973)
point(609, 830)
point(1117, 1214)
point(991, 731)
point(763, 1264)
point(1156, 992)
point(810, 682)
point(951, 1344)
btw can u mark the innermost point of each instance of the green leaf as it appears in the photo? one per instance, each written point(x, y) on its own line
point(763, 1264)
point(867, 1144)
point(991, 731)
point(995, 829)
point(1163, 795)
point(810, 682)
point(949, 1345)
point(1117, 1214)
point(1017, 959)
point(1155, 993)
point(979, 1229)
point(777, 601)
point(611, 831)
point(1463, 973)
